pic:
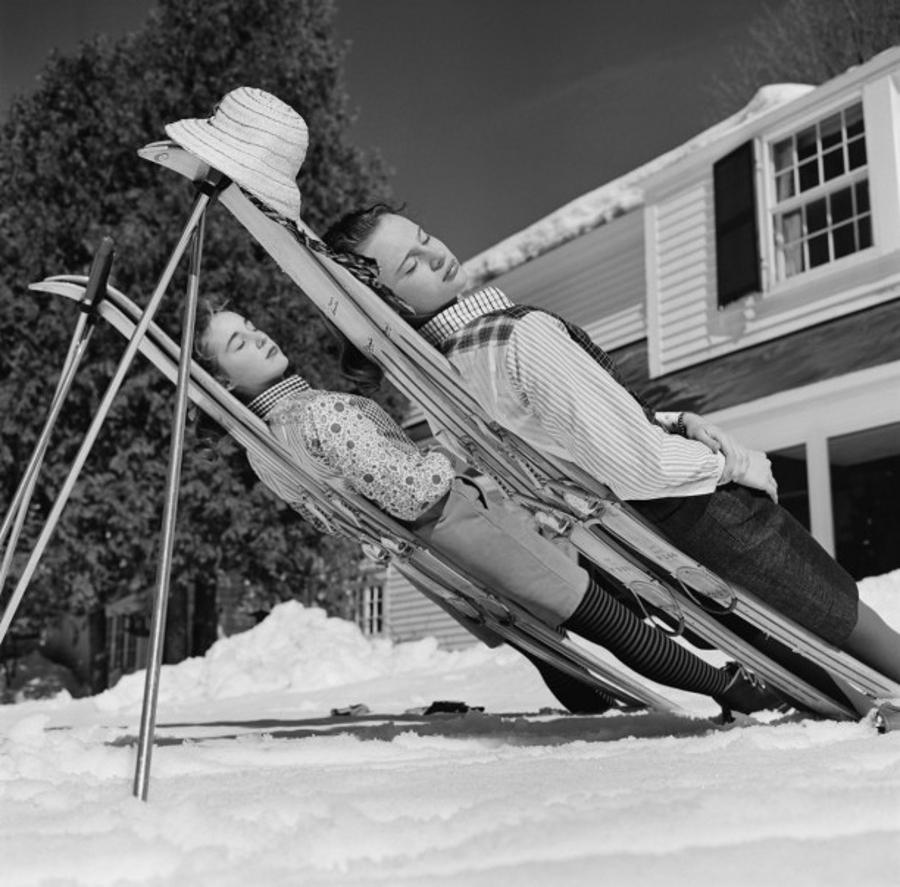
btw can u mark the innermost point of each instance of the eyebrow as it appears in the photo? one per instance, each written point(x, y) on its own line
point(403, 260)
point(247, 326)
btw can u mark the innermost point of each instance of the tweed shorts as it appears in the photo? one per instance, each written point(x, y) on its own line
point(753, 543)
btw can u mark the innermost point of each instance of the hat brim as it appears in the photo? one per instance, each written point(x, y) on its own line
point(243, 162)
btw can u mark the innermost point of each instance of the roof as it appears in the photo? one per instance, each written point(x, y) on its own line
point(615, 198)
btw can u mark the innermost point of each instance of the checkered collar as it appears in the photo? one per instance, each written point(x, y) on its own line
point(264, 403)
point(481, 302)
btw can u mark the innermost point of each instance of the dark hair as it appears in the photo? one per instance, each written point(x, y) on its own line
point(353, 229)
point(347, 235)
point(206, 311)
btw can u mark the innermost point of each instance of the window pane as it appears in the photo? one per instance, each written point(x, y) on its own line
point(790, 227)
point(830, 131)
point(818, 250)
point(853, 120)
point(806, 143)
point(862, 197)
point(784, 185)
point(856, 153)
point(864, 226)
point(792, 260)
point(782, 154)
point(809, 175)
point(844, 240)
point(833, 164)
point(865, 488)
point(788, 232)
point(841, 206)
point(789, 468)
point(816, 216)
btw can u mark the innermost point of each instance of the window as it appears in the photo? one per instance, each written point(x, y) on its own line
point(789, 468)
point(370, 606)
point(821, 192)
point(865, 488)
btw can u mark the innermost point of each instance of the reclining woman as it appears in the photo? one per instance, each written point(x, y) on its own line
point(493, 540)
point(542, 378)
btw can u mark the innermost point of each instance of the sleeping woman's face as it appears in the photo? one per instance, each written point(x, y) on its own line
point(248, 359)
point(414, 264)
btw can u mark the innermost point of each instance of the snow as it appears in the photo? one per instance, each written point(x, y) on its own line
point(616, 197)
point(485, 798)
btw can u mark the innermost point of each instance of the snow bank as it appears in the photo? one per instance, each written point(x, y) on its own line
point(294, 649)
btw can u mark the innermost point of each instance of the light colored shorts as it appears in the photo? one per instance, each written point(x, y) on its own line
point(497, 543)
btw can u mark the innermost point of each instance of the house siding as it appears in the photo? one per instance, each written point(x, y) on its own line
point(686, 326)
point(844, 345)
point(411, 616)
point(596, 281)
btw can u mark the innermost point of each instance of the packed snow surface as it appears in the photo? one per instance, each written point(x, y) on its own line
point(249, 788)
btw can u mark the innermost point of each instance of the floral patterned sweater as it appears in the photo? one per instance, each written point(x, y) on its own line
point(354, 437)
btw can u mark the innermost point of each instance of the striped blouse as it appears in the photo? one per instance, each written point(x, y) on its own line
point(532, 378)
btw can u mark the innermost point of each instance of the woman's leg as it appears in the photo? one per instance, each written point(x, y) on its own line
point(577, 696)
point(749, 540)
point(602, 619)
point(497, 543)
point(874, 642)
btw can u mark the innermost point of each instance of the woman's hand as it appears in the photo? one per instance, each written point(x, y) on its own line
point(697, 428)
point(758, 474)
point(737, 457)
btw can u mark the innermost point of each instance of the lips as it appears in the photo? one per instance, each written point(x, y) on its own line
point(452, 268)
point(272, 352)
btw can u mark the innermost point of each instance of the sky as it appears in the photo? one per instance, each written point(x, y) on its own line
point(490, 113)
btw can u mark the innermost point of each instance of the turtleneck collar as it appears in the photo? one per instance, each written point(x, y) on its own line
point(264, 403)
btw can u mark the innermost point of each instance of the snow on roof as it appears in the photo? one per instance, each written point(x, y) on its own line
point(616, 197)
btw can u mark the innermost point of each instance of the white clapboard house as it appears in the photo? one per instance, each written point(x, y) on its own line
point(751, 275)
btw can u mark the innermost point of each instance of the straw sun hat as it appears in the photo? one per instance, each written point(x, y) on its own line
point(256, 140)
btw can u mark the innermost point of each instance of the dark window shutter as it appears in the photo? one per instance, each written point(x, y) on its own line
point(737, 239)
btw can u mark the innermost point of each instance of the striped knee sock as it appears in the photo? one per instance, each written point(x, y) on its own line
point(603, 620)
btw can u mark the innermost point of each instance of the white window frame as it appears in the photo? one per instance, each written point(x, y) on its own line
point(371, 606)
point(769, 206)
point(810, 416)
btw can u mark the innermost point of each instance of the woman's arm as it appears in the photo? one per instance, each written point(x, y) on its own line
point(359, 440)
point(598, 423)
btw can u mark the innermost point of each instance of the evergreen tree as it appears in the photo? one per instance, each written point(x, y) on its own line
point(68, 176)
point(808, 41)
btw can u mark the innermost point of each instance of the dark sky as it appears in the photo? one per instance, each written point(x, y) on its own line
point(492, 113)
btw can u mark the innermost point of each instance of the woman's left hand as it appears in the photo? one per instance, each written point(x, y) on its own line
point(713, 437)
point(697, 428)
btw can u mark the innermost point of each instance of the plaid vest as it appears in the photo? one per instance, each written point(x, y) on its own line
point(502, 330)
